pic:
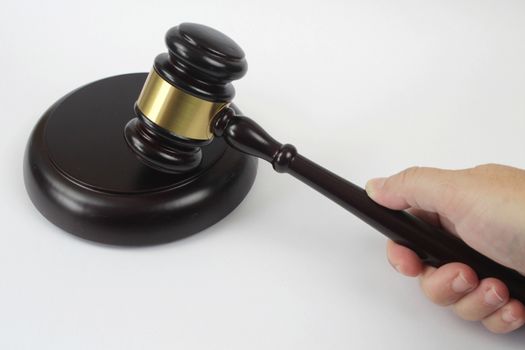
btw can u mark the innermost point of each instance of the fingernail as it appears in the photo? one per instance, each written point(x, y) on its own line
point(493, 298)
point(374, 185)
point(461, 285)
point(508, 317)
point(397, 267)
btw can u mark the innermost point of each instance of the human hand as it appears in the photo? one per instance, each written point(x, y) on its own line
point(485, 207)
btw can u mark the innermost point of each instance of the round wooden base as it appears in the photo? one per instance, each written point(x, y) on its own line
point(82, 176)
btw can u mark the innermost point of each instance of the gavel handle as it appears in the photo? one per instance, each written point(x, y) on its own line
point(434, 246)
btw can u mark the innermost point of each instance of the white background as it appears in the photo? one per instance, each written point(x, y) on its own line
point(366, 88)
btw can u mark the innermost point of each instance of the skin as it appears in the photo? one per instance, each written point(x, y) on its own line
point(485, 207)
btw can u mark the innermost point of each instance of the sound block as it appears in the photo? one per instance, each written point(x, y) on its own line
point(82, 176)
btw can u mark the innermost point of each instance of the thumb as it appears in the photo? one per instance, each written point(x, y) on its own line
point(429, 189)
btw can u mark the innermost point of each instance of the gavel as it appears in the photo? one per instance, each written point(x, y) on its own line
point(115, 169)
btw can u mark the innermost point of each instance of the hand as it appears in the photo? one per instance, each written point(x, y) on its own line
point(485, 207)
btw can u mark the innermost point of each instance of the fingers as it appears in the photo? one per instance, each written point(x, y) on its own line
point(488, 297)
point(449, 283)
point(457, 284)
point(403, 259)
point(506, 319)
point(443, 286)
point(430, 189)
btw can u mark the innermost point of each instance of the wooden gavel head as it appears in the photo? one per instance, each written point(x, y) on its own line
point(131, 159)
point(185, 90)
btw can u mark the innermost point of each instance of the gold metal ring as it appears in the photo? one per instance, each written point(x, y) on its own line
point(175, 110)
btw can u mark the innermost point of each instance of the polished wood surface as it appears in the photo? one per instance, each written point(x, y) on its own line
point(82, 175)
point(201, 61)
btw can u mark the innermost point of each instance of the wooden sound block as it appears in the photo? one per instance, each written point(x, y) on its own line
point(82, 176)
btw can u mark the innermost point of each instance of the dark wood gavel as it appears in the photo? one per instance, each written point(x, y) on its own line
point(434, 246)
point(185, 106)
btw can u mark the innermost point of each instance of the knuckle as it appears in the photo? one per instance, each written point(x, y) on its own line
point(404, 178)
point(409, 174)
point(487, 168)
point(491, 173)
